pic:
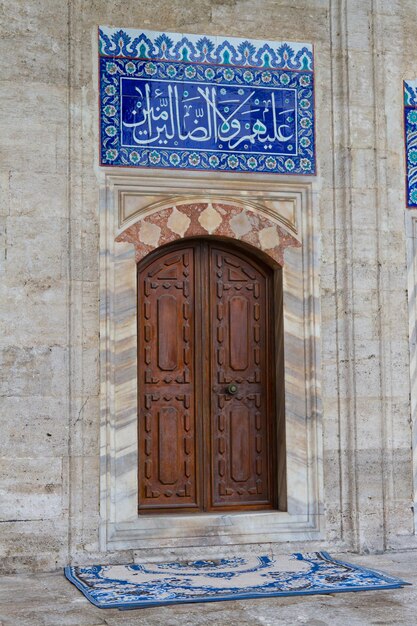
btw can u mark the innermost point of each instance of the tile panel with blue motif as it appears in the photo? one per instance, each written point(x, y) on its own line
point(410, 129)
point(205, 103)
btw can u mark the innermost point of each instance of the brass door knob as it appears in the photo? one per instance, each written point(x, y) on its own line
point(232, 389)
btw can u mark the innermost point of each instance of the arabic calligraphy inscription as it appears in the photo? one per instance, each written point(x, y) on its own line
point(182, 114)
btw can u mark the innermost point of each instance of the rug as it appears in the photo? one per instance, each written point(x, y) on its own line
point(154, 584)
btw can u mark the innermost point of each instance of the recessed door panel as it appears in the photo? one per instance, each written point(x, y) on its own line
point(167, 308)
point(240, 448)
point(169, 444)
point(238, 333)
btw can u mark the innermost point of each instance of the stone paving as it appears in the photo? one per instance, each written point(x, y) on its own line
point(49, 600)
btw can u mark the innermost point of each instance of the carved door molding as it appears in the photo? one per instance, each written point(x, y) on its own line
point(129, 198)
point(206, 375)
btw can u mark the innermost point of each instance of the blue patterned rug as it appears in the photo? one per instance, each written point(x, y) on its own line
point(154, 584)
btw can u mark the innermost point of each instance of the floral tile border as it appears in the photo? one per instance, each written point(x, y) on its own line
point(268, 81)
point(410, 131)
point(136, 44)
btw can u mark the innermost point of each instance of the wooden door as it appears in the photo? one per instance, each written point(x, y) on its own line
point(206, 380)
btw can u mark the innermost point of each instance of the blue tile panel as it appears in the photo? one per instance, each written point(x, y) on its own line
point(410, 128)
point(205, 103)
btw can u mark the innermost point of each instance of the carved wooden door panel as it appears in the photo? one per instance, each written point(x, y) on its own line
point(167, 428)
point(241, 402)
point(205, 380)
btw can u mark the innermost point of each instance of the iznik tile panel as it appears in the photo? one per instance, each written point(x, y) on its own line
point(205, 103)
point(410, 127)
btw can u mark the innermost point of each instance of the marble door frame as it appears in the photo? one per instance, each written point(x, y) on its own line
point(140, 204)
point(411, 235)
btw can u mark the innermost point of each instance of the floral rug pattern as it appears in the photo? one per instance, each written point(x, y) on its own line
point(152, 584)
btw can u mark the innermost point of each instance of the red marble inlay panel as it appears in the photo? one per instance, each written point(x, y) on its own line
point(203, 219)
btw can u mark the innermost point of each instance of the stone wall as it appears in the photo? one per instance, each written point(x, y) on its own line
point(49, 288)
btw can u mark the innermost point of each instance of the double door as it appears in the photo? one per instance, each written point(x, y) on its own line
point(206, 380)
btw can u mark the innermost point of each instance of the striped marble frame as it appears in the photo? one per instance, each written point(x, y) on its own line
point(136, 216)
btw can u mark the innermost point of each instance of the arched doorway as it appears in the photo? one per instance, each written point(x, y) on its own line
point(256, 213)
point(207, 379)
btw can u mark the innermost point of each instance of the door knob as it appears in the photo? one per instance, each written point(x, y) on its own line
point(232, 389)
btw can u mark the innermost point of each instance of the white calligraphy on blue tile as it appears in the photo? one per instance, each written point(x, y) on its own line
point(165, 114)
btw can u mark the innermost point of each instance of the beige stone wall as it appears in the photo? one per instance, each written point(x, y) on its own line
point(50, 184)
point(34, 285)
